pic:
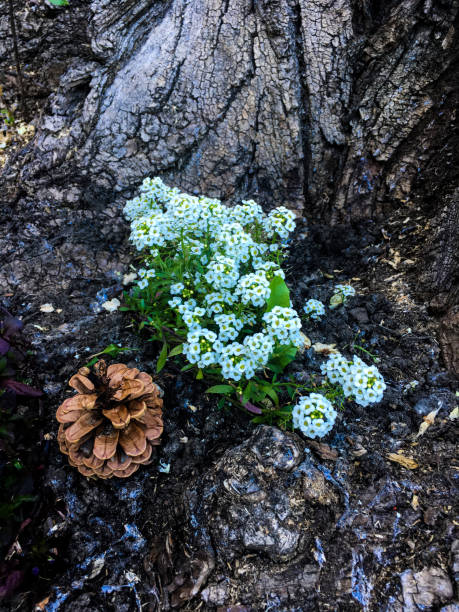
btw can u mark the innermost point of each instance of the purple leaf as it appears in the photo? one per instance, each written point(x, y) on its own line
point(4, 347)
point(20, 388)
point(252, 408)
point(10, 583)
point(11, 326)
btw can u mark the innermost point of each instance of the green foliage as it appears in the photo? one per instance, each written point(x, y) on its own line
point(8, 116)
point(221, 389)
point(8, 509)
point(280, 294)
point(162, 358)
point(281, 357)
point(112, 350)
point(153, 314)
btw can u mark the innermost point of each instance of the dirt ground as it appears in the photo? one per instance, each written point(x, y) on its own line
point(345, 527)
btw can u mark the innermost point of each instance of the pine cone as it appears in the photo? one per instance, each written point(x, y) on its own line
point(110, 426)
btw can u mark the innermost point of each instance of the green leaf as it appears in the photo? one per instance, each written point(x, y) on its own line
point(199, 375)
point(258, 393)
point(271, 393)
point(336, 300)
point(246, 396)
point(111, 349)
point(59, 2)
point(213, 371)
point(288, 354)
point(221, 389)
point(187, 367)
point(274, 367)
point(259, 419)
point(178, 350)
point(280, 360)
point(280, 294)
point(284, 411)
point(162, 358)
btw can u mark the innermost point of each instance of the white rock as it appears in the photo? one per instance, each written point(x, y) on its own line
point(46, 308)
point(111, 305)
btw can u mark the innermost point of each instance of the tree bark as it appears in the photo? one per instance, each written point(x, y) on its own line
point(324, 106)
point(341, 109)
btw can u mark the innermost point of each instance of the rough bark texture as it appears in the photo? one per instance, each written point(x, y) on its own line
point(329, 107)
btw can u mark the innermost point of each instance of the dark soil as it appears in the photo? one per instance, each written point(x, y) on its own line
point(145, 542)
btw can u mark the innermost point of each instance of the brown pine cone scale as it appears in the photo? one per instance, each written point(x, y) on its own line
point(109, 427)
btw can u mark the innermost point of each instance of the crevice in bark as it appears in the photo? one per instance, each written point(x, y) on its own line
point(303, 110)
point(220, 24)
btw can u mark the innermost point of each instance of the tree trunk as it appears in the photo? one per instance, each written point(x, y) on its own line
point(334, 108)
point(342, 109)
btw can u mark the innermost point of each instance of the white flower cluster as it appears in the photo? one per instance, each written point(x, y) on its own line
point(283, 325)
point(281, 222)
point(314, 415)
point(161, 215)
point(361, 382)
point(314, 309)
point(254, 289)
point(345, 290)
point(218, 264)
point(202, 347)
point(223, 272)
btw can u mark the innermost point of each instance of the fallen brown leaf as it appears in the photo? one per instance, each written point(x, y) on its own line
point(42, 604)
point(359, 452)
point(324, 349)
point(406, 462)
point(323, 450)
point(429, 420)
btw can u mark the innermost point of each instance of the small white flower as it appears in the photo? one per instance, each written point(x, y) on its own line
point(345, 290)
point(315, 309)
point(176, 289)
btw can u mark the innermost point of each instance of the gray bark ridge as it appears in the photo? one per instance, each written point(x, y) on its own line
point(301, 103)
